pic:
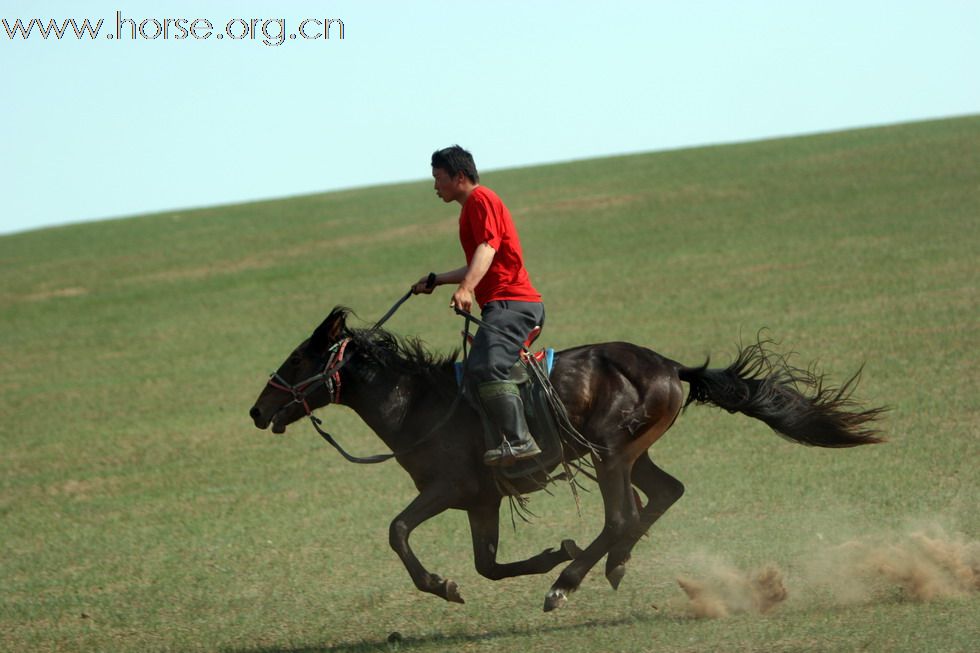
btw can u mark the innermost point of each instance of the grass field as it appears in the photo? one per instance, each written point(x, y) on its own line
point(141, 511)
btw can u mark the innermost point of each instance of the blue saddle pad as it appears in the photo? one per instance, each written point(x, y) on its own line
point(549, 363)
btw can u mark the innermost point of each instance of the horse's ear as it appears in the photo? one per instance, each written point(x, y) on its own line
point(329, 331)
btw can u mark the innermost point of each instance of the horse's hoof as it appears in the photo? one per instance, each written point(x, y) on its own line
point(555, 599)
point(451, 592)
point(615, 575)
point(571, 549)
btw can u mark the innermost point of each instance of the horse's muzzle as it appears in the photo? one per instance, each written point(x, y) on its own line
point(261, 422)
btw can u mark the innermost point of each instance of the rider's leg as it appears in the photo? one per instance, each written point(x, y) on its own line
point(495, 351)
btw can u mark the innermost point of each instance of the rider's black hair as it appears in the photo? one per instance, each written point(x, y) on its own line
point(455, 160)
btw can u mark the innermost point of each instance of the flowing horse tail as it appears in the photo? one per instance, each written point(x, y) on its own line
point(793, 402)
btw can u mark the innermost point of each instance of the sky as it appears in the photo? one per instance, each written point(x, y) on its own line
point(108, 127)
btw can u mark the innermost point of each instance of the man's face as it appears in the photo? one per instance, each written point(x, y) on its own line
point(444, 185)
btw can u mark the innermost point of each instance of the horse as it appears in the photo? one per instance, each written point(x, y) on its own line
point(620, 397)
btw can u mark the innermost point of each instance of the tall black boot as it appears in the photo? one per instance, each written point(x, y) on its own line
point(502, 403)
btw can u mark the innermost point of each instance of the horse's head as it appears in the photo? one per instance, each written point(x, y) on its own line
point(308, 379)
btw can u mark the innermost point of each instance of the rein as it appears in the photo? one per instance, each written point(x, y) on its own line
point(430, 283)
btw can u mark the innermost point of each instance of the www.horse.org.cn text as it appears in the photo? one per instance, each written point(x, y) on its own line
point(272, 32)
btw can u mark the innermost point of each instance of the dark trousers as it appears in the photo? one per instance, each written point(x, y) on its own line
point(492, 354)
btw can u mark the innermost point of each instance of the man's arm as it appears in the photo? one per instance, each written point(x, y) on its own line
point(467, 277)
point(479, 264)
point(422, 286)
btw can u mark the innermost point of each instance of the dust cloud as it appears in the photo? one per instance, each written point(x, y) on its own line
point(926, 565)
point(726, 591)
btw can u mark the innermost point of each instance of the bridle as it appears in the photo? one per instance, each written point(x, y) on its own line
point(329, 377)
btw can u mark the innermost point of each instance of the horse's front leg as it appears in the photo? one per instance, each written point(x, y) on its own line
point(432, 501)
point(485, 528)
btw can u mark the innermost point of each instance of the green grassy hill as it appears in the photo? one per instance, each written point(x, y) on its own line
point(141, 510)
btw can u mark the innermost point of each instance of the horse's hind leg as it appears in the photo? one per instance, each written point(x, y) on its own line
point(614, 483)
point(485, 528)
point(662, 491)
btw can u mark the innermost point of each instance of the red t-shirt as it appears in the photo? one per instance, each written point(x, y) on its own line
point(485, 219)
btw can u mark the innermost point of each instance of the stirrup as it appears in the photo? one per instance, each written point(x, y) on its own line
point(507, 454)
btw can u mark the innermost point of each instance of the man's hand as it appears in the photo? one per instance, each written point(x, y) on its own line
point(462, 299)
point(425, 285)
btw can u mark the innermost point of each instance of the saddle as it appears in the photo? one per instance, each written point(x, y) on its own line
point(537, 411)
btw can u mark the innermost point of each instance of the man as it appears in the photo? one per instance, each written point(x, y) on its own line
point(494, 275)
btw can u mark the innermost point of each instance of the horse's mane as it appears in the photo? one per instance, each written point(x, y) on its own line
point(407, 355)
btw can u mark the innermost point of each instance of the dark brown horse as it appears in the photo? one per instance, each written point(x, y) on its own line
point(621, 397)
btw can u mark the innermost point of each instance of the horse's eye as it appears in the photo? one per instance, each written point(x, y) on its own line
point(295, 360)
